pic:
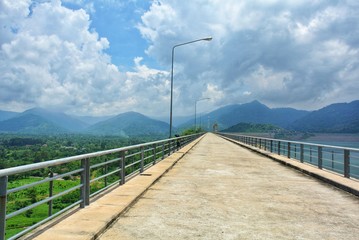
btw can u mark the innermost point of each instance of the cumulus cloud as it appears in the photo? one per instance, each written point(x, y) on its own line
point(285, 53)
point(303, 54)
point(51, 62)
point(50, 57)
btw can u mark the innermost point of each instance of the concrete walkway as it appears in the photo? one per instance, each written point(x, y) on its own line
point(222, 191)
point(88, 223)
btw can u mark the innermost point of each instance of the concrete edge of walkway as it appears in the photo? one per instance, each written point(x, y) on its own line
point(90, 222)
point(345, 184)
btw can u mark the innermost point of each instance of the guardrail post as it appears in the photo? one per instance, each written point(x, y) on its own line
point(85, 181)
point(51, 188)
point(332, 159)
point(346, 163)
point(288, 150)
point(106, 171)
point(301, 153)
point(142, 159)
point(278, 148)
point(265, 145)
point(169, 147)
point(320, 157)
point(123, 168)
point(3, 199)
point(154, 153)
point(271, 146)
point(163, 150)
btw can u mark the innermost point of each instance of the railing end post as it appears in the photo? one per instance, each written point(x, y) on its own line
point(346, 163)
point(142, 159)
point(301, 153)
point(85, 180)
point(3, 199)
point(123, 168)
point(320, 157)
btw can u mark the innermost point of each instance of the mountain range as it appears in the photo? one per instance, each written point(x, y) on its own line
point(253, 112)
point(335, 118)
point(41, 121)
point(129, 124)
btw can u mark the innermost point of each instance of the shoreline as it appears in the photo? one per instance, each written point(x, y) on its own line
point(334, 137)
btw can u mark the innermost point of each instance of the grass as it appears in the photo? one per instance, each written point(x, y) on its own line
point(26, 197)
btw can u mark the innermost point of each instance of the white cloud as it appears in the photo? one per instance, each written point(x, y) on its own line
point(294, 53)
point(55, 60)
point(285, 53)
point(50, 62)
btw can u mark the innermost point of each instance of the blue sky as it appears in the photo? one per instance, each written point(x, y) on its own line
point(117, 21)
point(106, 57)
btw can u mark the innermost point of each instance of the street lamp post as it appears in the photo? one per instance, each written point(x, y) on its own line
point(195, 112)
point(173, 53)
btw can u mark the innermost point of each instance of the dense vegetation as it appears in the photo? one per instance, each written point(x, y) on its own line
point(18, 150)
point(335, 118)
point(253, 128)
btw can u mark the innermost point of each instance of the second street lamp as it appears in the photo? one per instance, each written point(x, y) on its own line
point(173, 53)
point(195, 112)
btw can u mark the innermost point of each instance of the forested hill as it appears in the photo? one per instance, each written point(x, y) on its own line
point(335, 118)
point(45, 122)
point(252, 128)
point(129, 124)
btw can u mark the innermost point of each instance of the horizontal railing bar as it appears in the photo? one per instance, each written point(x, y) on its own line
point(12, 190)
point(148, 165)
point(105, 163)
point(133, 154)
point(134, 173)
point(157, 149)
point(105, 188)
point(328, 157)
point(296, 142)
point(147, 150)
point(32, 227)
point(134, 163)
point(148, 157)
point(50, 163)
point(105, 175)
point(13, 214)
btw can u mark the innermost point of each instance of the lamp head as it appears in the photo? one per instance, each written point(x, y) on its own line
point(207, 39)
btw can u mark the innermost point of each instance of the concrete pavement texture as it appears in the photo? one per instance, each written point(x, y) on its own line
point(88, 223)
point(220, 190)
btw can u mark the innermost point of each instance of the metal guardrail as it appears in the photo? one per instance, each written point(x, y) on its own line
point(341, 160)
point(92, 174)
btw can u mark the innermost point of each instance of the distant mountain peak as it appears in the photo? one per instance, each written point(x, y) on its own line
point(129, 124)
point(256, 103)
point(58, 118)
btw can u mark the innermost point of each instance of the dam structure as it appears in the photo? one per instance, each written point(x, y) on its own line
point(213, 186)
